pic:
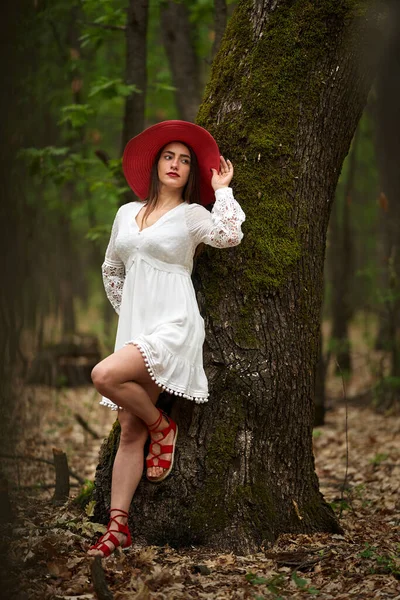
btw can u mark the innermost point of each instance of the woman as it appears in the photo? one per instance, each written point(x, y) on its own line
point(174, 166)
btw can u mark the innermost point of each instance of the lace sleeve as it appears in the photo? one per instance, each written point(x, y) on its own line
point(221, 227)
point(113, 270)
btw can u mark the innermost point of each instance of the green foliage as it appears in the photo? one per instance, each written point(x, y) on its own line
point(109, 89)
point(381, 563)
point(378, 458)
point(55, 165)
point(107, 13)
point(84, 498)
point(76, 115)
point(340, 506)
point(271, 79)
point(277, 584)
point(274, 584)
point(387, 391)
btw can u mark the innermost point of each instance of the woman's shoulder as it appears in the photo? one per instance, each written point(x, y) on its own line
point(195, 210)
point(129, 207)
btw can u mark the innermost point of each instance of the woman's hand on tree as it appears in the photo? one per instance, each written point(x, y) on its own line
point(223, 177)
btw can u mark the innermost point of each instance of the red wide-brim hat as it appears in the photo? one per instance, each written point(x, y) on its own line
point(140, 152)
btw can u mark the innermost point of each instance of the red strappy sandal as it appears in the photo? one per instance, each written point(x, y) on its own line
point(102, 546)
point(164, 449)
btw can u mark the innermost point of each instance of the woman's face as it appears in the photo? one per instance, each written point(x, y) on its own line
point(174, 165)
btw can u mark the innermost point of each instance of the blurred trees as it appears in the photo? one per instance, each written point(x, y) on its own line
point(103, 70)
point(387, 116)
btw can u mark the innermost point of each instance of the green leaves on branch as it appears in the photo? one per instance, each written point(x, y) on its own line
point(103, 19)
point(104, 12)
point(109, 89)
point(60, 165)
point(75, 115)
point(50, 163)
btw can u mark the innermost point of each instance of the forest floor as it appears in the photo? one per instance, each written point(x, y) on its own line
point(45, 547)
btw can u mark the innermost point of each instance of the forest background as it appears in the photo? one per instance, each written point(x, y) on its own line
point(75, 82)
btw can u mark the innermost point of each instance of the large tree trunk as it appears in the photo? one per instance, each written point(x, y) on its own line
point(320, 392)
point(287, 89)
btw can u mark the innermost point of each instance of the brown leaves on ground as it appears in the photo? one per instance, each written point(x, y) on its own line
point(47, 544)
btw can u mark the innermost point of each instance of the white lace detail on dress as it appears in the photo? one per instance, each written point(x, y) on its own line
point(113, 279)
point(113, 270)
point(221, 227)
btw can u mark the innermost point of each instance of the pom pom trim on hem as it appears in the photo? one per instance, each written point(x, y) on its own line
point(166, 388)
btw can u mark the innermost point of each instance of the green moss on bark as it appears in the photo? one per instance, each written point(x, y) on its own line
point(267, 80)
point(110, 446)
point(213, 510)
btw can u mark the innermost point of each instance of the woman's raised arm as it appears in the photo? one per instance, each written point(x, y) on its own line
point(221, 227)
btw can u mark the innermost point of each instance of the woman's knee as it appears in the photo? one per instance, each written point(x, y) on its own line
point(133, 429)
point(102, 378)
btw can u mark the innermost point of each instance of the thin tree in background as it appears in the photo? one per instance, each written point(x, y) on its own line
point(178, 41)
point(341, 254)
point(220, 19)
point(388, 151)
point(135, 69)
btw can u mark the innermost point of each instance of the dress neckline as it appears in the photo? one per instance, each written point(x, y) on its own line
point(158, 220)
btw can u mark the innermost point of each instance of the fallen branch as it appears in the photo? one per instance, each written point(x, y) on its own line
point(42, 460)
point(42, 486)
point(100, 586)
point(86, 426)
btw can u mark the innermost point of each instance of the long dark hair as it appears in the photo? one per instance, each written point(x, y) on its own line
point(191, 191)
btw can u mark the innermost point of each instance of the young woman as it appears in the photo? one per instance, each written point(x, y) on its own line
point(175, 166)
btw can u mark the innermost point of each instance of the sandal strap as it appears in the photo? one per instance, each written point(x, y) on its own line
point(113, 539)
point(114, 527)
point(163, 463)
point(164, 449)
point(106, 550)
point(164, 432)
point(156, 423)
point(123, 513)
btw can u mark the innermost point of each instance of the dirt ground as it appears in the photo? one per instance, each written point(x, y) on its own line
point(44, 549)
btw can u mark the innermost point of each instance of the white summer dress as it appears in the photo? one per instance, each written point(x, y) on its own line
point(147, 278)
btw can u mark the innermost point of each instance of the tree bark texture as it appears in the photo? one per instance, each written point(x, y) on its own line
point(136, 71)
point(319, 393)
point(179, 46)
point(287, 88)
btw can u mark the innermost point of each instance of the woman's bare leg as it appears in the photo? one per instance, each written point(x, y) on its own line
point(128, 467)
point(124, 379)
point(121, 377)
